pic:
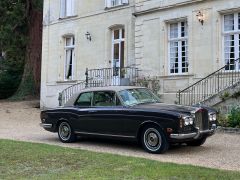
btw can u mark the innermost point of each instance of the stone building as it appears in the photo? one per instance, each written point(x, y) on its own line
point(178, 42)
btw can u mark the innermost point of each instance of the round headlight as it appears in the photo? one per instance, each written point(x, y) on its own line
point(188, 120)
point(212, 117)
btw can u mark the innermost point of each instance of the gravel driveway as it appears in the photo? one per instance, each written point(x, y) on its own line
point(20, 121)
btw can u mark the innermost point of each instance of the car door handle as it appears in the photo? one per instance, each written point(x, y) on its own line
point(92, 111)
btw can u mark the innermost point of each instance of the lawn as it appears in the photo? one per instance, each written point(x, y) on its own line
point(21, 160)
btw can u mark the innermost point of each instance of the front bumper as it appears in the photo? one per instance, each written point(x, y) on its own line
point(194, 135)
point(46, 126)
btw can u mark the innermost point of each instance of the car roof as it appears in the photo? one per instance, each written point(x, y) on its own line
point(72, 100)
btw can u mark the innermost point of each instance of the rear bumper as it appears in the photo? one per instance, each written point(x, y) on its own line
point(194, 135)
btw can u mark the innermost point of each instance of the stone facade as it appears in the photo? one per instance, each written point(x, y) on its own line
point(147, 27)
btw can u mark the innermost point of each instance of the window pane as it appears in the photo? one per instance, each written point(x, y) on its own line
point(104, 99)
point(117, 34)
point(123, 33)
point(84, 99)
point(173, 30)
point(229, 52)
point(116, 51)
point(184, 29)
point(229, 22)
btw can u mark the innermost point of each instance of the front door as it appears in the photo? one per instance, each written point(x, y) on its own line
point(118, 39)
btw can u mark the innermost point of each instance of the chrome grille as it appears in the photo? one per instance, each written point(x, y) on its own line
point(201, 119)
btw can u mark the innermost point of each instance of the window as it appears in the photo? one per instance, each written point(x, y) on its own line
point(231, 38)
point(178, 47)
point(107, 98)
point(118, 38)
point(85, 99)
point(69, 57)
point(67, 8)
point(114, 3)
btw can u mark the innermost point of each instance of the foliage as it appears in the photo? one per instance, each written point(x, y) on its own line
point(236, 94)
point(14, 30)
point(152, 83)
point(20, 160)
point(234, 117)
point(222, 120)
point(224, 96)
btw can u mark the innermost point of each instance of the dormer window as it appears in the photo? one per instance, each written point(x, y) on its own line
point(67, 8)
point(115, 3)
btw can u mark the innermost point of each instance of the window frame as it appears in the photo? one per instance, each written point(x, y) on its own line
point(179, 40)
point(109, 3)
point(235, 32)
point(63, 9)
point(67, 48)
point(119, 41)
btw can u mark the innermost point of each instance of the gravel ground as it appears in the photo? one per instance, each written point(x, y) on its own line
point(20, 121)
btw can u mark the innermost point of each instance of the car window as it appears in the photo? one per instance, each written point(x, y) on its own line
point(104, 98)
point(84, 99)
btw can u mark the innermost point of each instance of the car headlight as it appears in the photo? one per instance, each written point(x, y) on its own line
point(212, 117)
point(188, 120)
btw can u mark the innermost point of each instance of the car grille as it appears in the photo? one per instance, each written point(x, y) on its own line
point(201, 119)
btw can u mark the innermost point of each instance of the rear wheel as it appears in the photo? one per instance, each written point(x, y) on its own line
point(197, 142)
point(154, 140)
point(65, 133)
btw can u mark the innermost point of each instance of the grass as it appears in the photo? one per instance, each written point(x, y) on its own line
point(21, 160)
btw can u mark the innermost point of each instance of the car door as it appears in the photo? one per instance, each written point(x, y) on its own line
point(103, 117)
point(98, 113)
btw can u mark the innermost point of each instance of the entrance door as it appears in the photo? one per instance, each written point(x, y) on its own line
point(118, 38)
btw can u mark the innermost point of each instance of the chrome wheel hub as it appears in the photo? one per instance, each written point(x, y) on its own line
point(152, 139)
point(64, 131)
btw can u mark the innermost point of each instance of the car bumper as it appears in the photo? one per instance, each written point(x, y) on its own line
point(46, 126)
point(194, 135)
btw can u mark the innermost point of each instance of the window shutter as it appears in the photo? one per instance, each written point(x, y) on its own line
point(108, 3)
point(74, 9)
point(125, 1)
point(62, 8)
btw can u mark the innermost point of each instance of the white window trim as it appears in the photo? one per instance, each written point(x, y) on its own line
point(234, 32)
point(72, 46)
point(180, 39)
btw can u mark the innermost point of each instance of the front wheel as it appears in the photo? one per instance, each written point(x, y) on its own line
point(154, 140)
point(197, 142)
point(65, 133)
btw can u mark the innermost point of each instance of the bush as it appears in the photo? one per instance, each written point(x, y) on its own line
point(234, 117)
point(223, 120)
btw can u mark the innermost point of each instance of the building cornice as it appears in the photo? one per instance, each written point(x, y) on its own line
point(159, 8)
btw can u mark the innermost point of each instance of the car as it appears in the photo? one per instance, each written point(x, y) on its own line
point(130, 113)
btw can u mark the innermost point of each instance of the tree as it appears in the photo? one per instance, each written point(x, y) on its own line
point(16, 42)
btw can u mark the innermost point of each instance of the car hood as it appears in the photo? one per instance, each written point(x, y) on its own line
point(167, 107)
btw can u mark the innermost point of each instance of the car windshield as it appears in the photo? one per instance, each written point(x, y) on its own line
point(132, 97)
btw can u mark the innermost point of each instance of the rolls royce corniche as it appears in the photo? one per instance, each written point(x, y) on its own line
point(130, 113)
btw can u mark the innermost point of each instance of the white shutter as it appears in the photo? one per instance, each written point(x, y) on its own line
point(108, 3)
point(124, 1)
point(69, 8)
point(62, 8)
point(74, 9)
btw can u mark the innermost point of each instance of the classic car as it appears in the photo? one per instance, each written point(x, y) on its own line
point(128, 112)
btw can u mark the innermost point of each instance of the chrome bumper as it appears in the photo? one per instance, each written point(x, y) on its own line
point(194, 135)
point(47, 126)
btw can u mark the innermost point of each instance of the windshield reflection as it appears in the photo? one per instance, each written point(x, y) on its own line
point(133, 97)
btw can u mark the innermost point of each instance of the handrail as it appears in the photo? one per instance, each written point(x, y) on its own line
point(210, 85)
point(101, 77)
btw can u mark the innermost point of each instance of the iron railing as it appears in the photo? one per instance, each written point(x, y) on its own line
point(213, 84)
point(111, 76)
point(100, 78)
